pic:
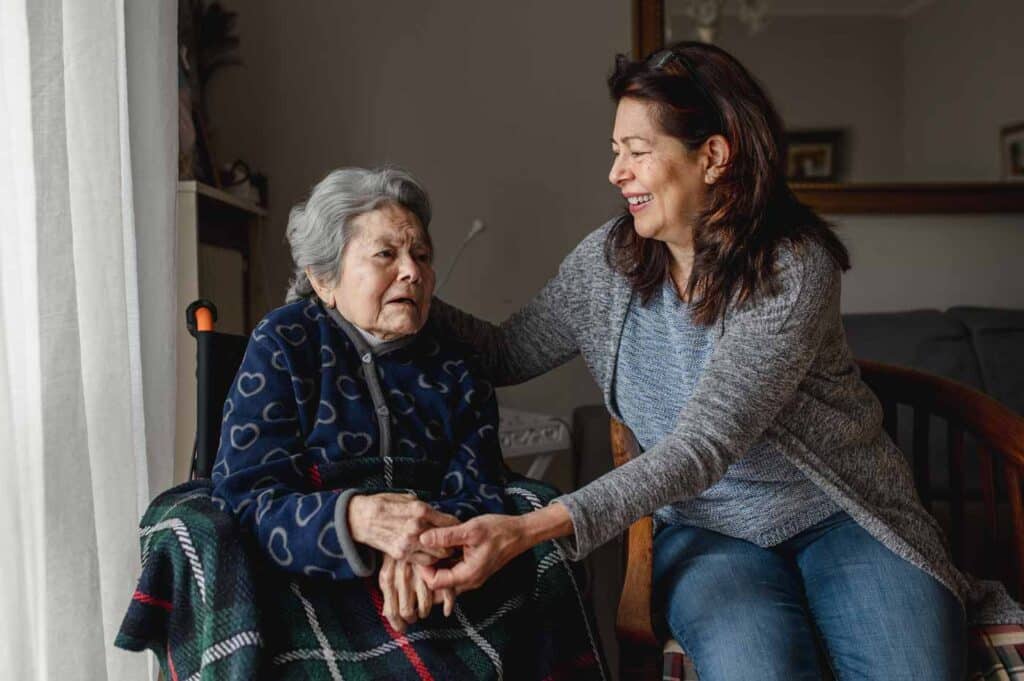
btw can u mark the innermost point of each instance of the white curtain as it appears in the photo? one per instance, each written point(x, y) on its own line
point(88, 148)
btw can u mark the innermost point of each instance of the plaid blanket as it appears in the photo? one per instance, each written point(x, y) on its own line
point(210, 610)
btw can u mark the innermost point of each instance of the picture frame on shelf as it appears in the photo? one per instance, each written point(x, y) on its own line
point(1011, 139)
point(815, 155)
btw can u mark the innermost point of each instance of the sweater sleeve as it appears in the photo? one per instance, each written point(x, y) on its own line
point(534, 340)
point(260, 472)
point(474, 481)
point(755, 371)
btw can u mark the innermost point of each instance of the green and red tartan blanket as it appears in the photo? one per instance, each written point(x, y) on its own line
point(211, 609)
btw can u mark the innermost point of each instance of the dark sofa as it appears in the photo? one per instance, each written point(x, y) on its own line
point(981, 347)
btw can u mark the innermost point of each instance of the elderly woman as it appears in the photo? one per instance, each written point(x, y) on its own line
point(351, 428)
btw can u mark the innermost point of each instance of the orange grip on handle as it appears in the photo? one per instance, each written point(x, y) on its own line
point(204, 319)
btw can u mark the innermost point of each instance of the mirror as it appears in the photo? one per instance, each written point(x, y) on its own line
point(876, 91)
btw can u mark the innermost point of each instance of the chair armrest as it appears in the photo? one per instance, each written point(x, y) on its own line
point(633, 621)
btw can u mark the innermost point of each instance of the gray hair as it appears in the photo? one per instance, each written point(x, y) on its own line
point(320, 228)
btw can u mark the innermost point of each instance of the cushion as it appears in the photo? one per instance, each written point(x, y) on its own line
point(994, 654)
point(998, 338)
point(926, 340)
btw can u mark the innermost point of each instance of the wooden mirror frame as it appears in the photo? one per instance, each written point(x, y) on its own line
point(892, 198)
point(648, 27)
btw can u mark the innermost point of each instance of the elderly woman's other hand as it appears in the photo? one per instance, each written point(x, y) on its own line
point(393, 523)
point(407, 598)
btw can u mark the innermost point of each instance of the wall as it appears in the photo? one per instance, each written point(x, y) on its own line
point(964, 72)
point(923, 261)
point(500, 108)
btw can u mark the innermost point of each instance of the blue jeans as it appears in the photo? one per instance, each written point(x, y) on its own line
point(832, 595)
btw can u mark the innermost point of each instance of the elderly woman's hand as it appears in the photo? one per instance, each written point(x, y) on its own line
point(393, 522)
point(407, 598)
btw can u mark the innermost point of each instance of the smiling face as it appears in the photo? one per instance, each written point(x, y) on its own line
point(662, 181)
point(386, 278)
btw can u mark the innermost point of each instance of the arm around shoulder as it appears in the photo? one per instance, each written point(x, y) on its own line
point(534, 340)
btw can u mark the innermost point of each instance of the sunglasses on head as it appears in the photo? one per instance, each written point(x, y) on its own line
point(659, 60)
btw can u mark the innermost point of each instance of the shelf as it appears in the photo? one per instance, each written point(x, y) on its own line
point(912, 198)
point(221, 196)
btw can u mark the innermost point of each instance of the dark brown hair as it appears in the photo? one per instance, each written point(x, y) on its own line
point(699, 90)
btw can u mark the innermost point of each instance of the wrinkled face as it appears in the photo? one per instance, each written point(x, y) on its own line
point(660, 179)
point(387, 277)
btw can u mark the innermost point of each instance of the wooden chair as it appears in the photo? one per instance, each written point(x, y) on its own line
point(998, 438)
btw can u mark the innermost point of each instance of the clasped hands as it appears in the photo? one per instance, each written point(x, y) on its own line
point(414, 536)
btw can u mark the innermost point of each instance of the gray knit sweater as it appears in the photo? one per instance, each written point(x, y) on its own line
point(780, 372)
point(762, 498)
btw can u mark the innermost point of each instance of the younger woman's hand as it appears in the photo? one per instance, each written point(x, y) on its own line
point(488, 542)
point(393, 522)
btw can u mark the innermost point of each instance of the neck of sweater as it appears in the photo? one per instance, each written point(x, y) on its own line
point(364, 340)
